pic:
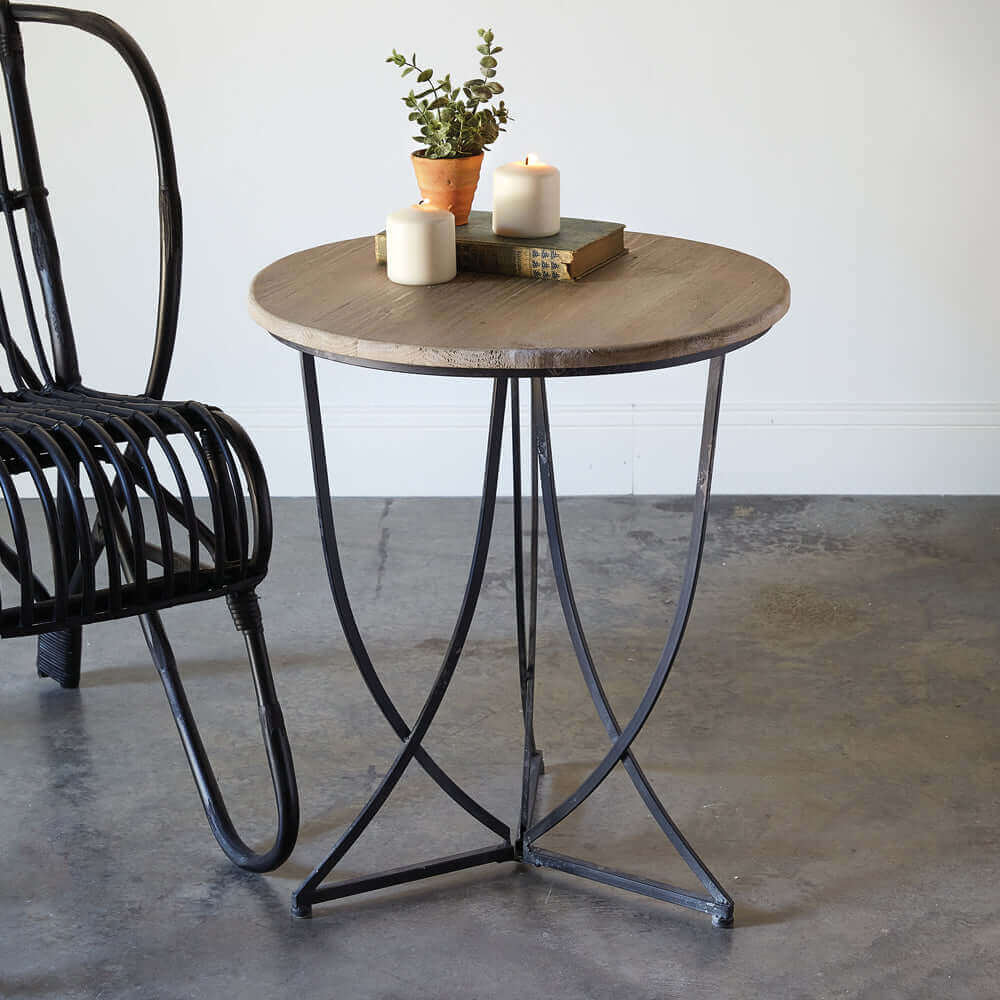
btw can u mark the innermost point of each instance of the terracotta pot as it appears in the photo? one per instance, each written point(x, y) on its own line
point(449, 184)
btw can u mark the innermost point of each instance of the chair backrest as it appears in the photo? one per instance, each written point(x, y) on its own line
point(31, 197)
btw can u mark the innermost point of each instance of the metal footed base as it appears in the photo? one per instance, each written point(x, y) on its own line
point(721, 911)
point(519, 846)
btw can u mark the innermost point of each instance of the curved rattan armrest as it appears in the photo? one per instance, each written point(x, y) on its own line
point(170, 201)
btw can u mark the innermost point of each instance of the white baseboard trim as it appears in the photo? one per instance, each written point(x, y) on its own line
point(924, 447)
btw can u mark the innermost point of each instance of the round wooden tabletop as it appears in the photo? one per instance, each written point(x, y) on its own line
point(667, 301)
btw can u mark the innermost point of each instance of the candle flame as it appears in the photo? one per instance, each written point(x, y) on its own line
point(531, 159)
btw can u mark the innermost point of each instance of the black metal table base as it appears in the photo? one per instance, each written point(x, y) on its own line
point(520, 846)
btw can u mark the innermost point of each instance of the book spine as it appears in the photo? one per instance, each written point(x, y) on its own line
point(521, 262)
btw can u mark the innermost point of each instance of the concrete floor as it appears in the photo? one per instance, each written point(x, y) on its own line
point(829, 741)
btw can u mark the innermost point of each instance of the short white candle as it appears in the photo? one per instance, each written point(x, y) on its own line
point(526, 198)
point(420, 245)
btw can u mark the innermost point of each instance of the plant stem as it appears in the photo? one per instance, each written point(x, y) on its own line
point(431, 82)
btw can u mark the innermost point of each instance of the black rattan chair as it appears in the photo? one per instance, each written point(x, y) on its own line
point(145, 548)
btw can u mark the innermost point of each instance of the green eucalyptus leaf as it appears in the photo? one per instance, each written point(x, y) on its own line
point(496, 49)
point(458, 120)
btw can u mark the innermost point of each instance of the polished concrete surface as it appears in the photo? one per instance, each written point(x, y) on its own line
point(829, 741)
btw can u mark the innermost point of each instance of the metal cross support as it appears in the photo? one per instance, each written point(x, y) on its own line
point(521, 847)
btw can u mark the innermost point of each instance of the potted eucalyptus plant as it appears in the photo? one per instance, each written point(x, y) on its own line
point(457, 125)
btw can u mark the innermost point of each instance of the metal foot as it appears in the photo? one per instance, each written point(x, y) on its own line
point(301, 911)
point(720, 911)
point(308, 894)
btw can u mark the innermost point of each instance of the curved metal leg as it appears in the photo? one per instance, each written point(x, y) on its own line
point(312, 890)
point(720, 905)
point(246, 616)
point(533, 766)
point(342, 601)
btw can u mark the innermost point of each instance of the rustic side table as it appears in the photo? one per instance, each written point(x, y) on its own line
point(667, 302)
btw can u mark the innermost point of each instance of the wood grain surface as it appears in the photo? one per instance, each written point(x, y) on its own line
point(666, 301)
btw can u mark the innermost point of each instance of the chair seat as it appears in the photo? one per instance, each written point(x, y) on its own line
point(187, 588)
point(128, 468)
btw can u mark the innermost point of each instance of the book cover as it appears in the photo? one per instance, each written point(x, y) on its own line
point(580, 246)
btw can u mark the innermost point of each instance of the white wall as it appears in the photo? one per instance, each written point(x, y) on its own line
point(853, 144)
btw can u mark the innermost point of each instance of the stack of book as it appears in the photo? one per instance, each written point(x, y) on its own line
point(580, 246)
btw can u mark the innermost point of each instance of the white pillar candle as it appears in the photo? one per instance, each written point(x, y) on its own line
point(420, 245)
point(526, 198)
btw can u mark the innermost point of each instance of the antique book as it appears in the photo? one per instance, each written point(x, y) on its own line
point(578, 247)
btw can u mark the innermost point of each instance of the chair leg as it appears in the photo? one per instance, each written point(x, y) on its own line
point(59, 656)
point(59, 652)
point(246, 616)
